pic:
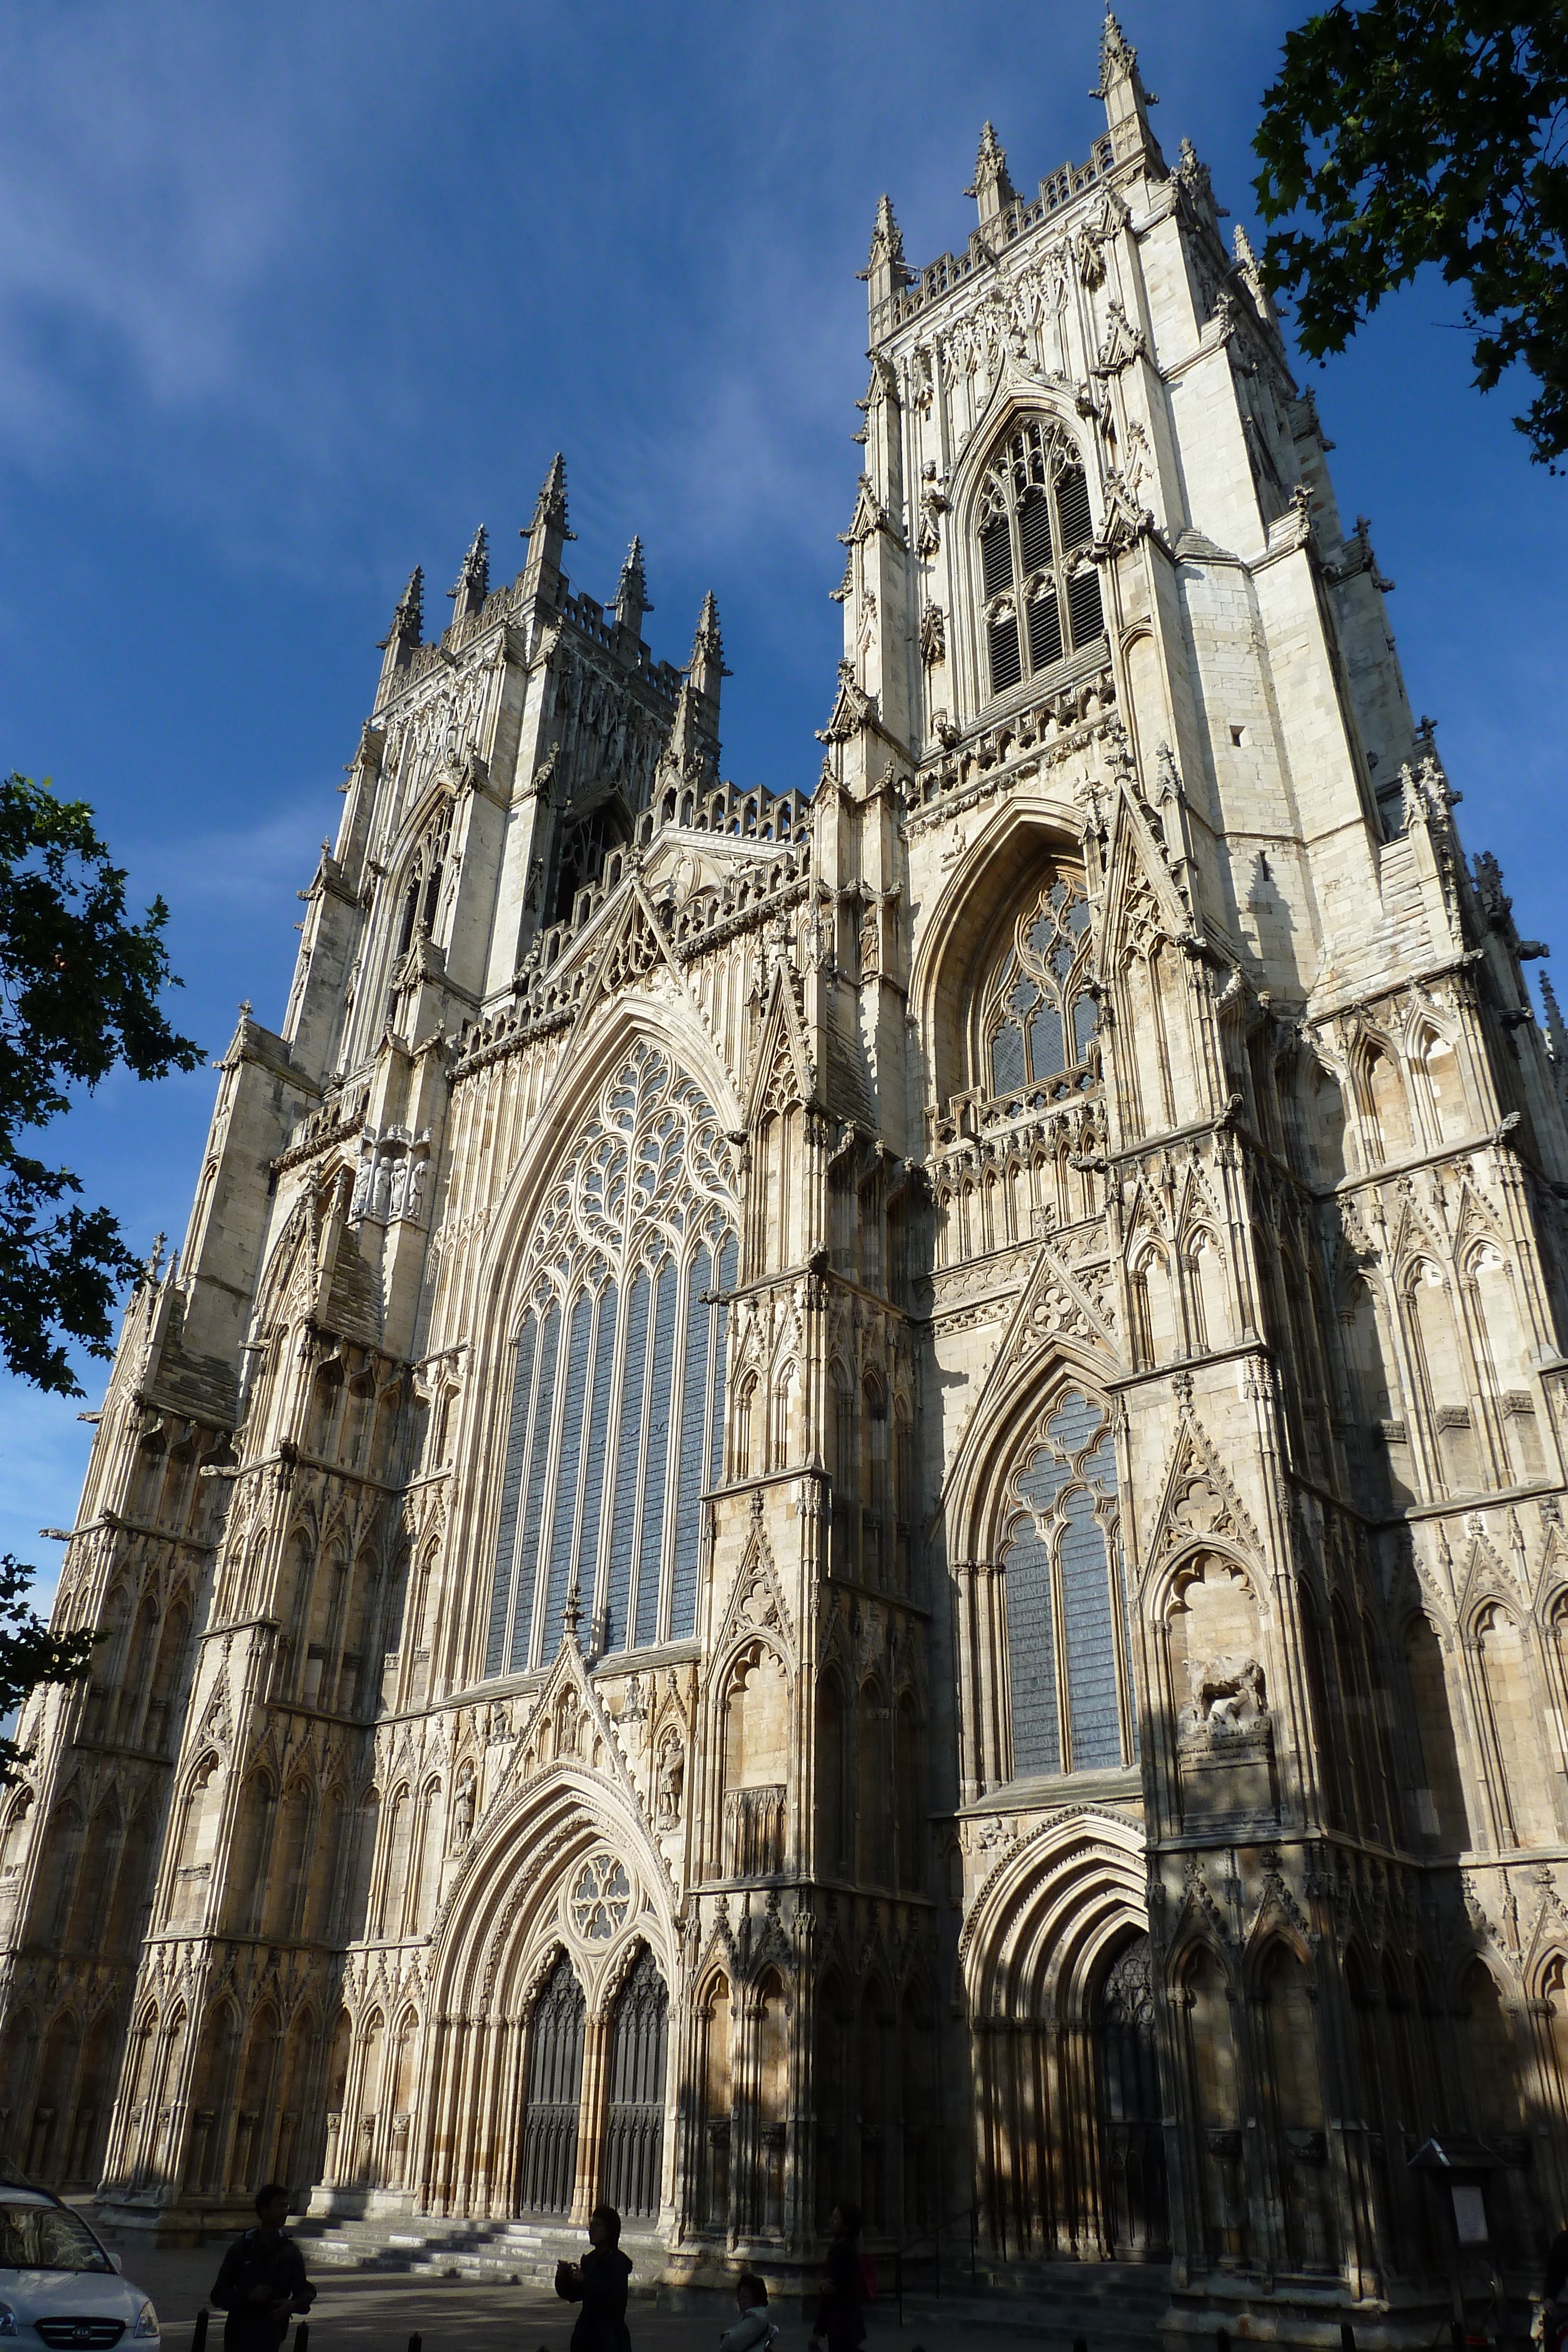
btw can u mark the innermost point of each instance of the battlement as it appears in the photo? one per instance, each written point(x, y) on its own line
point(951, 270)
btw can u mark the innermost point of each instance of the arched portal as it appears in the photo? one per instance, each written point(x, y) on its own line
point(549, 2168)
point(1061, 1995)
point(635, 2124)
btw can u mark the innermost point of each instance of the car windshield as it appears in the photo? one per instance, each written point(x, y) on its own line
point(39, 2237)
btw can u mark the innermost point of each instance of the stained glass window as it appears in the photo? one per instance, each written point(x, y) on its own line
point(1037, 1013)
point(1066, 1600)
point(617, 1379)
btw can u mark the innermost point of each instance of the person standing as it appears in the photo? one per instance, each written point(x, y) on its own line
point(839, 2322)
point(598, 2282)
point(261, 2281)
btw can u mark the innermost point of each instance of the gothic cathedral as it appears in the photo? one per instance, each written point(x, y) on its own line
point(857, 1493)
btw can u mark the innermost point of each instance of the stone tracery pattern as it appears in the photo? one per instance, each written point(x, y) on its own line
point(609, 1448)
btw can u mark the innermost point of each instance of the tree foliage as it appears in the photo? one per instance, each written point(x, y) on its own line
point(78, 997)
point(1409, 131)
point(30, 1655)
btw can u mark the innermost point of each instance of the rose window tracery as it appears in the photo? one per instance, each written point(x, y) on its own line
point(600, 1901)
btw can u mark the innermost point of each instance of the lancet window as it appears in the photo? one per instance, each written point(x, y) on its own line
point(1037, 579)
point(1066, 1600)
point(421, 882)
point(616, 1418)
point(1037, 1013)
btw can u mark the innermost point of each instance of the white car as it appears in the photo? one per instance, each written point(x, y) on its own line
point(60, 2287)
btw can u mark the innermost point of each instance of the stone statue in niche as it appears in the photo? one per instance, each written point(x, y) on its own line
point(668, 1786)
point(462, 1811)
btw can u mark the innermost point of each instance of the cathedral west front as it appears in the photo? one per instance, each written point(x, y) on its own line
point(856, 1491)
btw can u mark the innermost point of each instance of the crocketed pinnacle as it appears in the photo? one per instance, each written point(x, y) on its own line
point(707, 645)
point(886, 237)
point(633, 587)
point(551, 511)
point(408, 621)
point(473, 582)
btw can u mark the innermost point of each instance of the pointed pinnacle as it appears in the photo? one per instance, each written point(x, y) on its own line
point(708, 645)
point(634, 577)
point(885, 231)
point(408, 620)
point(551, 508)
point(475, 572)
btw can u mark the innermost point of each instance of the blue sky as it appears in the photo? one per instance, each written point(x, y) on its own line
point(292, 298)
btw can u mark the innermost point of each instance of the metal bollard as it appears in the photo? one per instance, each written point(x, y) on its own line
point(302, 2335)
point(1222, 2339)
point(1457, 2334)
point(1080, 2344)
point(1347, 2336)
point(199, 2333)
point(416, 2344)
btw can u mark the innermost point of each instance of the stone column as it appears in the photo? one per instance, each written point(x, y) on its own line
point(590, 2114)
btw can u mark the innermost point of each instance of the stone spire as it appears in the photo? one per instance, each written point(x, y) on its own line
point(884, 272)
point(407, 628)
point(632, 596)
point(548, 533)
point(1126, 100)
point(993, 191)
point(705, 667)
point(473, 584)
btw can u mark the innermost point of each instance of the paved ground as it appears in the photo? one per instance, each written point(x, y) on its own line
point(355, 2312)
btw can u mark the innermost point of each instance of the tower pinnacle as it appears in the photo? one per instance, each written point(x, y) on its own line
point(631, 595)
point(473, 582)
point(550, 513)
point(992, 190)
point(407, 621)
point(884, 272)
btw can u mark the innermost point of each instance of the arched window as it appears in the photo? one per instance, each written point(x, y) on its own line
point(616, 1425)
point(1041, 589)
point(1037, 1015)
point(1066, 1602)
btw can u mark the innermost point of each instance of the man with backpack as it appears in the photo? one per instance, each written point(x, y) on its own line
point(262, 2282)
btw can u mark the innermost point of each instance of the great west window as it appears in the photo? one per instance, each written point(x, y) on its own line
point(616, 1417)
point(1037, 579)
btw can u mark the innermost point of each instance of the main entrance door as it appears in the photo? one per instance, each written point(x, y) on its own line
point(549, 2168)
point(1132, 2139)
point(634, 2125)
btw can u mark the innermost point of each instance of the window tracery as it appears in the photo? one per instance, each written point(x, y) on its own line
point(1066, 1600)
point(616, 1420)
point(1039, 587)
point(1038, 1015)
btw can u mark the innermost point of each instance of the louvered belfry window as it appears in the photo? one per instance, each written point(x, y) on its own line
point(1037, 579)
point(615, 1418)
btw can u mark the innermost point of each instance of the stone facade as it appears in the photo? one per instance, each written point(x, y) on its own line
point(860, 1493)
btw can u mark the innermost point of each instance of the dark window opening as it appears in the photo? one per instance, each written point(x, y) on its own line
point(1036, 530)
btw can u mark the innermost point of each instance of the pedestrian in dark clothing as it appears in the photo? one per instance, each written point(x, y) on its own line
point(262, 2280)
point(598, 2282)
point(839, 2322)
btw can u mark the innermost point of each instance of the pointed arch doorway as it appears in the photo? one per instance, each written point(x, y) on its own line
point(632, 2169)
point(547, 2171)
